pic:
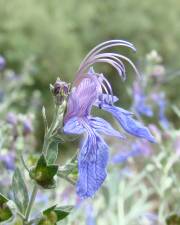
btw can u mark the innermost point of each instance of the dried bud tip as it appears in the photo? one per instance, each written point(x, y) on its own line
point(60, 90)
point(61, 87)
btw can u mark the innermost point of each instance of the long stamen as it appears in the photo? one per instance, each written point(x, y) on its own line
point(117, 65)
point(109, 87)
point(113, 45)
point(109, 61)
point(103, 86)
point(108, 44)
point(111, 56)
point(118, 62)
point(100, 81)
point(107, 83)
point(131, 63)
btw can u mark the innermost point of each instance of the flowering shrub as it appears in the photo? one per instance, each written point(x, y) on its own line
point(142, 181)
point(89, 89)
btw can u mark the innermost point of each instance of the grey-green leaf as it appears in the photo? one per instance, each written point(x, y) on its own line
point(52, 153)
point(45, 119)
point(20, 191)
point(63, 212)
point(5, 211)
point(54, 214)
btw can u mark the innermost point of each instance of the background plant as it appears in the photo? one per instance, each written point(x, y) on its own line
point(42, 40)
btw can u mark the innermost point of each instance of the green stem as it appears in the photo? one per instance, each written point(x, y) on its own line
point(50, 132)
point(46, 144)
point(32, 199)
point(66, 178)
point(44, 150)
point(21, 215)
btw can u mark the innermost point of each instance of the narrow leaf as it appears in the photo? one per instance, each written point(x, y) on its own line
point(63, 212)
point(54, 214)
point(44, 173)
point(45, 119)
point(52, 153)
point(20, 191)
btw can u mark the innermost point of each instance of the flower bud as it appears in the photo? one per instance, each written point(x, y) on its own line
point(8, 159)
point(12, 118)
point(27, 126)
point(60, 91)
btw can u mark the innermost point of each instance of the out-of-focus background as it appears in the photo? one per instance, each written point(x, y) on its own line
point(56, 35)
point(42, 40)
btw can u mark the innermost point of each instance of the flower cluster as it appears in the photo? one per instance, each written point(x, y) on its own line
point(160, 100)
point(135, 149)
point(151, 102)
point(91, 89)
point(140, 101)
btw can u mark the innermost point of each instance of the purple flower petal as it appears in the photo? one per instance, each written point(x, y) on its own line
point(73, 126)
point(92, 164)
point(106, 99)
point(102, 126)
point(129, 124)
point(82, 97)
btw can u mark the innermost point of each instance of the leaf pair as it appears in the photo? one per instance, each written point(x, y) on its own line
point(173, 220)
point(43, 173)
point(54, 214)
point(5, 211)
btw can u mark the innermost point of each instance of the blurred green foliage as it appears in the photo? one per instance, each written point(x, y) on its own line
point(58, 34)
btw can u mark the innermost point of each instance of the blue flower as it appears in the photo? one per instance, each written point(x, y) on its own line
point(92, 89)
point(138, 148)
point(124, 156)
point(12, 118)
point(9, 160)
point(162, 108)
point(140, 105)
point(160, 100)
point(27, 126)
